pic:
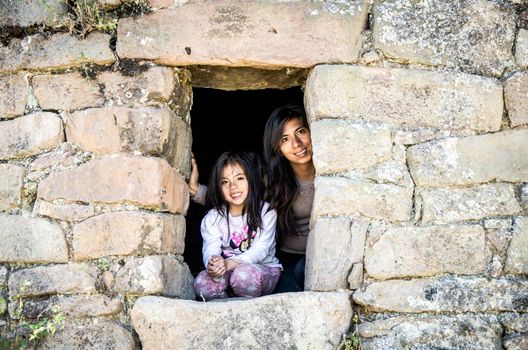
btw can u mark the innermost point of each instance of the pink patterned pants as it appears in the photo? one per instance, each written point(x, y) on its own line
point(246, 280)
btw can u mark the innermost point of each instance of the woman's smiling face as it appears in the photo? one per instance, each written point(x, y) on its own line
point(296, 142)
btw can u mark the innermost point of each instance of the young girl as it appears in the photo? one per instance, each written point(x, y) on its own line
point(238, 233)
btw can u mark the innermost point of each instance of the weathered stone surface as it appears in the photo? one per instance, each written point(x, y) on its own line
point(436, 332)
point(128, 233)
point(31, 240)
point(246, 78)
point(499, 233)
point(446, 294)
point(60, 50)
point(392, 171)
point(473, 35)
point(515, 92)
point(501, 156)
point(14, 94)
point(358, 147)
point(15, 13)
point(53, 279)
point(66, 92)
point(11, 184)
point(263, 34)
point(426, 251)
point(98, 334)
point(179, 154)
point(451, 205)
point(3, 276)
point(146, 182)
point(524, 198)
point(156, 275)
point(406, 97)
point(70, 306)
point(282, 321)
point(521, 48)
point(66, 212)
point(516, 342)
point(340, 196)
point(120, 129)
point(156, 83)
point(167, 3)
point(344, 240)
point(517, 256)
point(515, 323)
point(355, 279)
point(30, 134)
point(3, 305)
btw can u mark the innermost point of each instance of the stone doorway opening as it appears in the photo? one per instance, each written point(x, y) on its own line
point(223, 121)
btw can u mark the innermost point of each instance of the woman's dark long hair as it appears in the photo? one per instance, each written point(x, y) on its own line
point(282, 187)
point(250, 164)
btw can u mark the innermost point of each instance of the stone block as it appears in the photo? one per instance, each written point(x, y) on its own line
point(3, 305)
point(256, 34)
point(96, 334)
point(58, 51)
point(445, 294)
point(119, 129)
point(66, 91)
point(475, 36)
point(31, 240)
point(71, 306)
point(283, 321)
point(355, 279)
point(66, 212)
point(406, 97)
point(521, 48)
point(128, 233)
point(514, 322)
point(14, 94)
point(500, 157)
point(156, 83)
point(344, 242)
point(146, 182)
point(30, 135)
point(53, 279)
point(11, 184)
point(156, 274)
point(391, 172)
point(516, 342)
point(515, 92)
point(3, 276)
point(517, 254)
point(340, 146)
point(426, 251)
point(14, 13)
point(246, 78)
point(179, 154)
point(499, 233)
point(340, 196)
point(432, 332)
point(442, 206)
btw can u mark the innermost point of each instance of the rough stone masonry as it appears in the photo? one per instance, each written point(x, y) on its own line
point(419, 118)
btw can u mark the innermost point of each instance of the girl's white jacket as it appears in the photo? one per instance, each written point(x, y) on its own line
point(216, 238)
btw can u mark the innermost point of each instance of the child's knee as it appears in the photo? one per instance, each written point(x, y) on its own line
point(246, 280)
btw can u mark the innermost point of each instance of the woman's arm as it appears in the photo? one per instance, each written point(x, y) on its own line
point(196, 190)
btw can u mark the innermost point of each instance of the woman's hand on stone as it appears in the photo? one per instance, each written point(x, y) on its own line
point(193, 180)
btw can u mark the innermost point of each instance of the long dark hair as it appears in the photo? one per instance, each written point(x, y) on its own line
point(250, 164)
point(282, 187)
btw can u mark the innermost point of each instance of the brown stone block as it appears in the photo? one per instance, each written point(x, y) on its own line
point(31, 240)
point(128, 233)
point(30, 135)
point(246, 33)
point(11, 184)
point(66, 212)
point(156, 274)
point(66, 92)
point(146, 182)
point(155, 83)
point(120, 129)
point(58, 51)
point(13, 95)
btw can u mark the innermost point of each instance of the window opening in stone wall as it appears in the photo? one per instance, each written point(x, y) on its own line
point(223, 121)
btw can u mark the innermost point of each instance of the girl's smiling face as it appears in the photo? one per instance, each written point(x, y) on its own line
point(296, 142)
point(235, 187)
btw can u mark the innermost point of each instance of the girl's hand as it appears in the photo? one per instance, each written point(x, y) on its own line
point(216, 266)
point(193, 180)
point(231, 264)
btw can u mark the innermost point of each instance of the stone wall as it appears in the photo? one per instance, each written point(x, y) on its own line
point(419, 120)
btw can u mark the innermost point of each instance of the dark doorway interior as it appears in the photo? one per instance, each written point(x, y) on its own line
point(224, 121)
